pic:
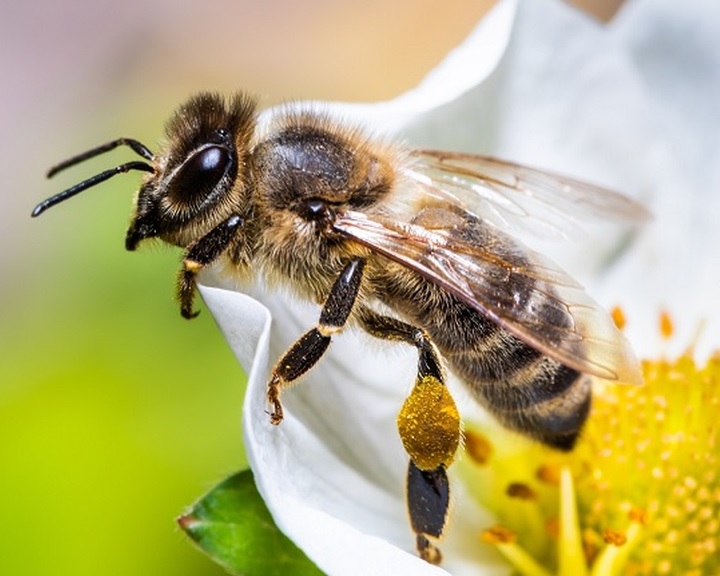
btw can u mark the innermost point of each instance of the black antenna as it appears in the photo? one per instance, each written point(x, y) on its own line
point(137, 147)
point(85, 184)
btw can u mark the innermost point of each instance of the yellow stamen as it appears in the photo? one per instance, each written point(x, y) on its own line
point(614, 537)
point(504, 540)
point(498, 535)
point(666, 324)
point(548, 474)
point(614, 556)
point(571, 560)
point(639, 495)
point(478, 447)
point(618, 317)
point(521, 491)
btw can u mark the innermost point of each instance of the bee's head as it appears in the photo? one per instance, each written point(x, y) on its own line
point(197, 180)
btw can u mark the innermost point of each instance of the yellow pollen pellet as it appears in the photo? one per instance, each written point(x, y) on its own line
point(429, 424)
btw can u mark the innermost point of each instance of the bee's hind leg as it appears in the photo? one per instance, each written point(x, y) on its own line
point(429, 426)
point(428, 500)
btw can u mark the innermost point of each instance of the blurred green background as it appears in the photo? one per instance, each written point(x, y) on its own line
point(115, 413)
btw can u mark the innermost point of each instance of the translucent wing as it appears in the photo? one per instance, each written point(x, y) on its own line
point(518, 198)
point(518, 289)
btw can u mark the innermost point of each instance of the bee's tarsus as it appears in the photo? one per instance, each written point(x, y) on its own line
point(189, 314)
point(428, 493)
point(273, 396)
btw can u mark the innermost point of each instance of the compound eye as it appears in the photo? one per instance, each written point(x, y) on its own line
point(200, 174)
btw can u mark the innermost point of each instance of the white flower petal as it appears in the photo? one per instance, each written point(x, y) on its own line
point(564, 93)
point(675, 51)
point(317, 470)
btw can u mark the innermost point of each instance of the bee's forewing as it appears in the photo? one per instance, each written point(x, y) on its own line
point(535, 301)
point(520, 199)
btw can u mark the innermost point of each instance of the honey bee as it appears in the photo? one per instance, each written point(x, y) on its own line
point(411, 246)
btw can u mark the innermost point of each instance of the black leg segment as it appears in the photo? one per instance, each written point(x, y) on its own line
point(429, 427)
point(428, 497)
point(199, 254)
point(302, 356)
point(389, 328)
point(339, 303)
point(310, 347)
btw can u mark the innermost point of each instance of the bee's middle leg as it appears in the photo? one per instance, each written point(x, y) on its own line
point(310, 347)
point(429, 426)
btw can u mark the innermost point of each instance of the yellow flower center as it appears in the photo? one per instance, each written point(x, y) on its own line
point(639, 495)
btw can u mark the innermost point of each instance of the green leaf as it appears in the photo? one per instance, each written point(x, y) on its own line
point(233, 526)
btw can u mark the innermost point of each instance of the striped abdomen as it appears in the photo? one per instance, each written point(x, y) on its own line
point(526, 390)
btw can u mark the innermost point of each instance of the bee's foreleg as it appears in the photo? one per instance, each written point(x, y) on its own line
point(199, 254)
point(310, 347)
point(430, 429)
